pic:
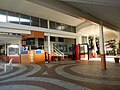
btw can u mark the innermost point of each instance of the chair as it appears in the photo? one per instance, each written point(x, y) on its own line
point(8, 64)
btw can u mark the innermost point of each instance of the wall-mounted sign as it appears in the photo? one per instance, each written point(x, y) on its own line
point(38, 51)
point(13, 49)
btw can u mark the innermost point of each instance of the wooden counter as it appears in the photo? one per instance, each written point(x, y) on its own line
point(33, 56)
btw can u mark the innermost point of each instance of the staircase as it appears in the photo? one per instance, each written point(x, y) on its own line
point(57, 51)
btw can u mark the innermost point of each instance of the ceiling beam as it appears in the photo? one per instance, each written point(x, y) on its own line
point(70, 10)
point(100, 2)
point(83, 25)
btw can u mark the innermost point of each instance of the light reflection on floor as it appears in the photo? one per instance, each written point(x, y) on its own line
point(99, 59)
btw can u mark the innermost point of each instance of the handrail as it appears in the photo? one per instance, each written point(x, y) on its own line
point(58, 51)
point(53, 49)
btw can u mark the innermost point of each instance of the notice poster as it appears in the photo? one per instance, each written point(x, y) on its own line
point(13, 51)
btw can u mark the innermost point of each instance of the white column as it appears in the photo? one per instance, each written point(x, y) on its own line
point(78, 40)
point(20, 45)
point(49, 51)
point(88, 39)
point(101, 43)
point(48, 24)
point(101, 39)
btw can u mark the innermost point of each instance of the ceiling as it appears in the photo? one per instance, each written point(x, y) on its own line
point(68, 11)
point(105, 10)
point(29, 8)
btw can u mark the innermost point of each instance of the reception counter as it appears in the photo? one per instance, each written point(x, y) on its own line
point(33, 56)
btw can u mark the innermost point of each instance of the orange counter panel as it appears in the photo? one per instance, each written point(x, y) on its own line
point(24, 59)
point(34, 34)
point(39, 58)
point(32, 57)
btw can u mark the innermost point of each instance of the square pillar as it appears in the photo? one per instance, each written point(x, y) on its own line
point(49, 49)
point(101, 43)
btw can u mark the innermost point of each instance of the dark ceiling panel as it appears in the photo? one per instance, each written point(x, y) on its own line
point(100, 2)
point(109, 13)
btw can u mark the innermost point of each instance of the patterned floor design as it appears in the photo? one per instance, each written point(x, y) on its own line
point(61, 75)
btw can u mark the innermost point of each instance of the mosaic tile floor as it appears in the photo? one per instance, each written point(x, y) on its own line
point(61, 75)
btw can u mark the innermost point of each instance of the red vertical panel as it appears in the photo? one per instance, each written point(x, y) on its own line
point(77, 52)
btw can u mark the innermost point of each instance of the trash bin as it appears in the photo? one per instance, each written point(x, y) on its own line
point(116, 60)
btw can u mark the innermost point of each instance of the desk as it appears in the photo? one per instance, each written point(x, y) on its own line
point(33, 56)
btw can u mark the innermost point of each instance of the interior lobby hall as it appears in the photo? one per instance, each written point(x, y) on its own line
point(59, 44)
point(61, 75)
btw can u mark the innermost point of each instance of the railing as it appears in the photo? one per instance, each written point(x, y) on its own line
point(53, 49)
point(57, 51)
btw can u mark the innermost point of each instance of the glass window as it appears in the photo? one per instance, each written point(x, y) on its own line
point(64, 27)
point(91, 46)
point(34, 21)
point(24, 19)
point(58, 26)
point(84, 39)
point(45, 38)
point(30, 41)
point(13, 17)
point(41, 43)
point(43, 23)
point(73, 29)
point(60, 39)
point(69, 29)
point(52, 25)
point(62, 47)
point(3, 16)
point(52, 38)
